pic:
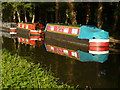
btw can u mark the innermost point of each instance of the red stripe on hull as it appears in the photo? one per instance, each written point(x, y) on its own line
point(34, 37)
point(62, 51)
point(34, 33)
point(32, 26)
point(99, 48)
point(12, 30)
point(98, 44)
point(27, 41)
point(63, 29)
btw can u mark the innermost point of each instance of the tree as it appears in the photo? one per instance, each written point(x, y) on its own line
point(87, 13)
point(99, 16)
point(26, 8)
point(16, 7)
point(116, 15)
point(72, 13)
point(57, 12)
point(6, 11)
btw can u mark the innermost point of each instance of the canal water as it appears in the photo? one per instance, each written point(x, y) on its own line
point(79, 68)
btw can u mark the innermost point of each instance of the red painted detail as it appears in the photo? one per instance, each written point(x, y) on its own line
point(34, 37)
point(41, 41)
point(27, 41)
point(63, 29)
point(12, 30)
point(32, 32)
point(98, 44)
point(42, 32)
point(19, 40)
point(98, 48)
point(31, 26)
point(41, 26)
point(62, 51)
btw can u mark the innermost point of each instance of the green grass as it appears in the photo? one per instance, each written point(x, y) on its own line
point(18, 73)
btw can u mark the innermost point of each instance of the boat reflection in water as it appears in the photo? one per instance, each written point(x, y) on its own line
point(81, 53)
point(31, 40)
point(72, 63)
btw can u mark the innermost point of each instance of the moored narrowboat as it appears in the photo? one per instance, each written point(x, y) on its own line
point(33, 40)
point(13, 30)
point(33, 29)
point(9, 27)
point(77, 52)
point(27, 41)
point(94, 35)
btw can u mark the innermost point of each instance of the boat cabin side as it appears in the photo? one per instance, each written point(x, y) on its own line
point(96, 36)
point(31, 26)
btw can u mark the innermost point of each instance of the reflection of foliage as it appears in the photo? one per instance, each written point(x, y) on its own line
point(18, 73)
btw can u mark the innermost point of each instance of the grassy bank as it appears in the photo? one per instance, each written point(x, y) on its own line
point(18, 73)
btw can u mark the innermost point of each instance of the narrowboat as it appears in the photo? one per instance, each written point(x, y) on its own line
point(9, 28)
point(91, 35)
point(8, 35)
point(32, 29)
point(77, 52)
point(31, 41)
point(27, 41)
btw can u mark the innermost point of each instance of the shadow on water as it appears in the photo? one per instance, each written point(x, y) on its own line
point(73, 64)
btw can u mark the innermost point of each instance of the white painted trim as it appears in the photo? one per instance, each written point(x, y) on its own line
point(13, 33)
point(26, 26)
point(98, 40)
point(34, 31)
point(23, 25)
point(33, 39)
point(12, 28)
point(98, 52)
point(18, 25)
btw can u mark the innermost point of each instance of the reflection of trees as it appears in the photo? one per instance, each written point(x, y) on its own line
point(9, 44)
point(70, 72)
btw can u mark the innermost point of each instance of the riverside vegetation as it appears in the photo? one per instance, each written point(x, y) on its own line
point(18, 73)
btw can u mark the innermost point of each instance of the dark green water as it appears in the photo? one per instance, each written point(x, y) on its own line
point(71, 71)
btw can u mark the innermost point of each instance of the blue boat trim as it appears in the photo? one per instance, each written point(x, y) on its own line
point(92, 32)
point(88, 57)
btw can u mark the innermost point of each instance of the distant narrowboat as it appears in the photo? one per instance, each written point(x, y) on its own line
point(32, 40)
point(34, 29)
point(9, 28)
point(94, 35)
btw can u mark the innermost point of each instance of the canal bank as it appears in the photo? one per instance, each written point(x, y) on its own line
point(70, 70)
point(18, 73)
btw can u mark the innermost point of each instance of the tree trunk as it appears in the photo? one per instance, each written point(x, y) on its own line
point(18, 14)
point(33, 14)
point(72, 13)
point(70, 71)
point(33, 18)
point(67, 16)
point(57, 12)
point(14, 17)
point(99, 17)
point(25, 16)
point(115, 22)
point(88, 13)
point(116, 17)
